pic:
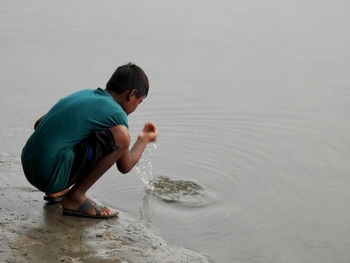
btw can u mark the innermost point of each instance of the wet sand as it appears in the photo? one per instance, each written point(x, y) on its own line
point(33, 231)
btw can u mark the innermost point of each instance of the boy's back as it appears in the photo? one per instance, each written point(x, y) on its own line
point(48, 156)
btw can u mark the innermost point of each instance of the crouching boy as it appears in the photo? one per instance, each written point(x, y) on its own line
point(82, 136)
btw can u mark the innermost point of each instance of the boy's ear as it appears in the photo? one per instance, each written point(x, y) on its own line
point(132, 93)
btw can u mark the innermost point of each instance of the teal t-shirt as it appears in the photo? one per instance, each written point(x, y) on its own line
point(48, 155)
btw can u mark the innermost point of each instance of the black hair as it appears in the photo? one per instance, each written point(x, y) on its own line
point(129, 77)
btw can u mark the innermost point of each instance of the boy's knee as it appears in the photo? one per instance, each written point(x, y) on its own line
point(121, 136)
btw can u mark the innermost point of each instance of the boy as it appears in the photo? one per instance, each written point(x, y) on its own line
point(82, 136)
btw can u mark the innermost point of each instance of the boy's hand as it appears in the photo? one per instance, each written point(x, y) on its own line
point(130, 157)
point(150, 132)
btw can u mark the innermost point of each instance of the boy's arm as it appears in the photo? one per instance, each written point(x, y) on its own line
point(36, 124)
point(130, 157)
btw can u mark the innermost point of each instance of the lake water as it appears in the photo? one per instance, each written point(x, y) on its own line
point(251, 100)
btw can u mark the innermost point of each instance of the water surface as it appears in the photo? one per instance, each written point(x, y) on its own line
point(251, 100)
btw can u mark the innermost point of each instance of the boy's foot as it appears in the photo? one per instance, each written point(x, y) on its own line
point(87, 208)
point(55, 198)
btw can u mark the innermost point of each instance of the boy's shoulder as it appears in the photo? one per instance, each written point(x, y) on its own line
point(88, 94)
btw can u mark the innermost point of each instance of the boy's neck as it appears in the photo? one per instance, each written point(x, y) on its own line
point(119, 98)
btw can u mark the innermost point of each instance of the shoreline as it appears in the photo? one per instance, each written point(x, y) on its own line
point(33, 231)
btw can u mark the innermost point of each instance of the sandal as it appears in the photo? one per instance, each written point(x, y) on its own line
point(83, 210)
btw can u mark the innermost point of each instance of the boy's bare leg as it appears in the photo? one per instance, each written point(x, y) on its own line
point(124, 158)
point(77, 194)
point(58, 194)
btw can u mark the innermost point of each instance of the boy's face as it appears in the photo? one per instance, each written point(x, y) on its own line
point(133, 103)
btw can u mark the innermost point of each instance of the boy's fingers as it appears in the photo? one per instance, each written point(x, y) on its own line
point(153, 126)
point(149, 126)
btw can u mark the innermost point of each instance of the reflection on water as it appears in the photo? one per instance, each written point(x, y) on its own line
point(251, 100)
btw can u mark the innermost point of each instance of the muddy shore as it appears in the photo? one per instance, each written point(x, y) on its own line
point(32, 231)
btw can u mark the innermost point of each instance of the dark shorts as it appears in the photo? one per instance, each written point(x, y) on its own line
point(89, 152)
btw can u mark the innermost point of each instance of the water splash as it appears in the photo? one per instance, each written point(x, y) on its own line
point(144, 167)
point(166, 188)
point(171, 190)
